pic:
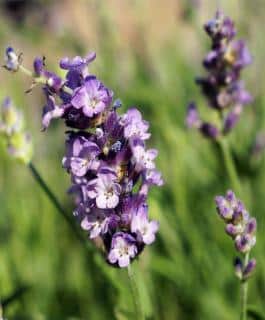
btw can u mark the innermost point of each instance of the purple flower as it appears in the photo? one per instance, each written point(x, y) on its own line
point(77, 63)
point(237, 54)
point(144, 159)
point(220, 28)
point(92, 97)
point(81, 156)
point(53, 82)
point(97, 222)
point(134, 125)
point(192, 118)
point(122, 250)
point(51, 111)
point(12, 60)
point(144, 229)
point(105, 190)
point(153, 177)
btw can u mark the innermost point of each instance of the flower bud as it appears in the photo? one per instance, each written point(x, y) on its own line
point(238, 266)
point(12, 60)
point(20, 147)
point(11, 119)
point(250, 268)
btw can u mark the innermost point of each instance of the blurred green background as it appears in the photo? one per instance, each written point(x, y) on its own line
point(148, 52)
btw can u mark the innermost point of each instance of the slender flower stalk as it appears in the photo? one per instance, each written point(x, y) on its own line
point(244, 292)
point(230, 165)
point(241, 227)
point(1, 311)
point(38, 178)
point(135, 294)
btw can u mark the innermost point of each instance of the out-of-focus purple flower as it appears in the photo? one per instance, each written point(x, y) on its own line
point(193, 118)
point(122, 250)
point(12, 60)
point(220, 28)
point(237, 54)
point(153, 177)
point(209, 130)
point(144, 159)
point(92, 97)
point(222, 86)
point(144, 229)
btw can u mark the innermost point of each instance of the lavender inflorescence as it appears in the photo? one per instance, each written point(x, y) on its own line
point(241, 227)
point(111, 170)
point(17, 140)
point(222, 86)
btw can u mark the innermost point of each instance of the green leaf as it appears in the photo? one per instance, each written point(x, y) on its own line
point(254, 313)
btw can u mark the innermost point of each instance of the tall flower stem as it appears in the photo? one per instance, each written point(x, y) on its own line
point(230, 165)
point(54, 201)
point(244, 292)
point(135, 295)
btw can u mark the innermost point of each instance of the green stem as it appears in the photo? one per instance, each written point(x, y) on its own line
point(1, 311)
point(135, 295)
point(54, 201)
point(244, 293)
point(230, 166)
point(41, 80)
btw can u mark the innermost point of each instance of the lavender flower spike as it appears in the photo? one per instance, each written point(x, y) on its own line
point(222, 85)
point(110, 167)
point(240, 226)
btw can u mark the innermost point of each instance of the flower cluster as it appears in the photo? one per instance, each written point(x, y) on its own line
point(111, 170)
point(18, 141)
point(241, 227)
point(222, 86)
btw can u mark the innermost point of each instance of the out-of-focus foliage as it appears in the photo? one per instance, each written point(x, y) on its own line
point(148, 52)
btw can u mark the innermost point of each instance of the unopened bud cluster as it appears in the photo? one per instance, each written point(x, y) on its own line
point(241, 227)
point(17, 140)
